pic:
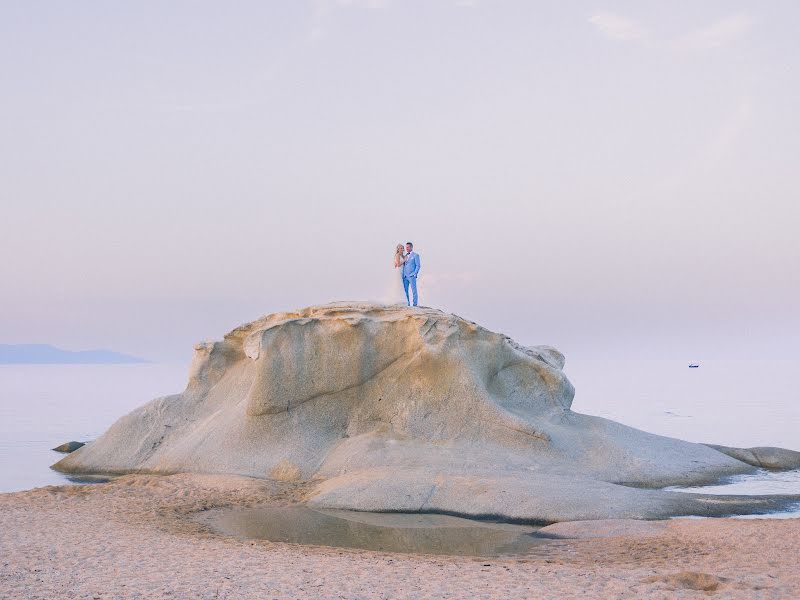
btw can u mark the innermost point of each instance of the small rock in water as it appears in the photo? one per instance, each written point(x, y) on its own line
point(765, 457)
point(68, 447)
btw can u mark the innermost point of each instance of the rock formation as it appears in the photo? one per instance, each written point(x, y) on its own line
point(395, 409)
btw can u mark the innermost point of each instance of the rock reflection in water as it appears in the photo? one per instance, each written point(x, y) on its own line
point(387, 532)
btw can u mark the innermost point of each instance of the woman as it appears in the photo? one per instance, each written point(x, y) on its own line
point(399, 256)
point(397, 294)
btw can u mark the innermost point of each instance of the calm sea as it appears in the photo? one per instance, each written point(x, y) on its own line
point(42, 406)
point(735, 403)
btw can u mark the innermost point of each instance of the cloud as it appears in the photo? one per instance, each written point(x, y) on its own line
point(617, 27)
point(716, 148)
point(449, 278)
point(324, 11)
point(363, 3)
point(729, 131)
point(719, 33)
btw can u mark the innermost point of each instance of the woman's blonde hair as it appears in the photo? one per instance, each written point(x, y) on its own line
point(399, 249)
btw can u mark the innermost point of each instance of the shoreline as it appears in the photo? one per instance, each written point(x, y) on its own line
point(138, 536)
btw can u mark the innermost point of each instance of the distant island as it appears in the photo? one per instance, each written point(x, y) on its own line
point(44, 354)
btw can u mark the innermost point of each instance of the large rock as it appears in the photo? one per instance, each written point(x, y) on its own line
point(393, 408)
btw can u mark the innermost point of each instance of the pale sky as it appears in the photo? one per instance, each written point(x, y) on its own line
point(614, 179)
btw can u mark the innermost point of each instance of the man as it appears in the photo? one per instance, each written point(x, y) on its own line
point(410, 270)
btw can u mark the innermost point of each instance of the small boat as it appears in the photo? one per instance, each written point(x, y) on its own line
point(693, 365)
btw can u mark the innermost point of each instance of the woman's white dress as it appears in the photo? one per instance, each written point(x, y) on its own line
point(397, 295)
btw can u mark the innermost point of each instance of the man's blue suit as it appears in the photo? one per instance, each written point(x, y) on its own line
point(410, 270)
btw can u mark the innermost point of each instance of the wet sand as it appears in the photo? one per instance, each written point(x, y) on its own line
point(139, 537)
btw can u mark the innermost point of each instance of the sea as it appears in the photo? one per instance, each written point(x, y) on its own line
point(733, 403)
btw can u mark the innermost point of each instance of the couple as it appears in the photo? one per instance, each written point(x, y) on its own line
point(407, 261)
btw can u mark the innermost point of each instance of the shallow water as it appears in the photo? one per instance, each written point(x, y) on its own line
point(760, 483)
point(735, 403)
point(384, 532)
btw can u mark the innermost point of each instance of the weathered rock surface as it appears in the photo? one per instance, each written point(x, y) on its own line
point(68, 447)
point(391, 408)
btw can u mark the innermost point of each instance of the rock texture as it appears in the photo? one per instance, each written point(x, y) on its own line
point(387, 408)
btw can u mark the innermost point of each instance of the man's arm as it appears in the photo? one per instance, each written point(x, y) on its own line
point(416, 264)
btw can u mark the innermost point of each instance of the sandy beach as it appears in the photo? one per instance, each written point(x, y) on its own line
point(138, 536)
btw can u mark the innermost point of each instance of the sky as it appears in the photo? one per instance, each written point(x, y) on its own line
point(616, 179)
